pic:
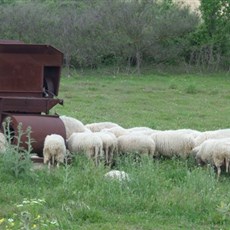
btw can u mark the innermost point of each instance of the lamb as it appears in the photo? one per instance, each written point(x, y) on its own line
point(2, 143)
point(97, 127)
point(117, 175)
point(214, 152)
point(72, 125)
point(109, 142)
point(214, 134)
point(87, 143)
point(173, 143)
point(136, 143)
point(54, 149)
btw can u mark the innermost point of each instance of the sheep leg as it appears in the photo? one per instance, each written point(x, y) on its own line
point(106, 156)
point(227, 164)
point(110, 156)
point(53, 160)
point(218, 172)
point(96, 150)
point(49, 164)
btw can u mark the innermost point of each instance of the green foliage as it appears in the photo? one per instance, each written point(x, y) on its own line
point(95, 33)
point(16, 160)
point(212, 38)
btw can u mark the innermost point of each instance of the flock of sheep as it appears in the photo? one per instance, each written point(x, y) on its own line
point(107, 140)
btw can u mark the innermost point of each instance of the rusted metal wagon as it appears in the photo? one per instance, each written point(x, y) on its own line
point(29, 85)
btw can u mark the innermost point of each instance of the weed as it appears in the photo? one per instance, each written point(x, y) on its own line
point(16, 160)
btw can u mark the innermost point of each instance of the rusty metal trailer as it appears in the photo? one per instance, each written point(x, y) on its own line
point(29, 85)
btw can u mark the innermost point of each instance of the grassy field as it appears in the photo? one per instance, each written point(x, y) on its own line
point(162, 194)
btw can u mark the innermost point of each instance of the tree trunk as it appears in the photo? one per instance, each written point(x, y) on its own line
point(138, 59)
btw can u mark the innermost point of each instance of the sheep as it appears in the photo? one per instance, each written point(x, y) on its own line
point(54, 149)
point(117, 131)
point(87, 143)
point(139, 129)
point(213, 134)
point(72, 125)
point(97, 127)
point(145, 132)
point(173, 143)
point(214, 152)
point(2, 143)
point(117, 175)
point(109, 142)
point(194, 133)
point(136, 143)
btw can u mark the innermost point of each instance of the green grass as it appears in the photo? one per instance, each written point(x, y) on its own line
point(162, 194)
point(159, 102)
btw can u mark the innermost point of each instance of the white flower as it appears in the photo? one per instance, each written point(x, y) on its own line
point(54, 222)
point(25, 201)
point(19, 205)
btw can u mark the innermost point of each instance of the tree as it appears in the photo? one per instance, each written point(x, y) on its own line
point(212, 39)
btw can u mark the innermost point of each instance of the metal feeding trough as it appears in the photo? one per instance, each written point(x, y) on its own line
point(29, 85)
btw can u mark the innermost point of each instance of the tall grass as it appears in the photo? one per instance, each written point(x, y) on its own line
point(161, 193)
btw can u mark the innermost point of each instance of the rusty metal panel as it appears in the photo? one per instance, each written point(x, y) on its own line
point(41, 126)
point(25, 69)
point(27, 105)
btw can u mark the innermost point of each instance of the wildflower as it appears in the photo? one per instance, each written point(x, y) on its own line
point(2, 220)
point(54, 222)
point(34, 226)
point(41, 200)
point(25, 202)
point(34, 202)
point(38, 217)
point(19, 205)
point(10, 220)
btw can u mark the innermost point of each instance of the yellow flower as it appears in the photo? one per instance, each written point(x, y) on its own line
point(2, 220)
point(38, 217)
point(34, 226)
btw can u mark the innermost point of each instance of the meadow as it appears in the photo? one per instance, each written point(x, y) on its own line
point(161, 194)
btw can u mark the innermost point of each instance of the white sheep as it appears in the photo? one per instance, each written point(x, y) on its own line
point(173, 143)
point(117, 175)
point(139, 129)
point(213, 134)
point(193, 132)
point(97, 127)
point(109, 142)
point(117, 131)
point(72, 125)
point(144, 132)
point(215, 152)
point(136, 143)
point(54, 149)
point(2, 143)
point(87, 143)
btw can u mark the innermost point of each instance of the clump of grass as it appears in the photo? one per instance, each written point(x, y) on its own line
point(191, 89)
point(16, 160)
point(173, 85)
